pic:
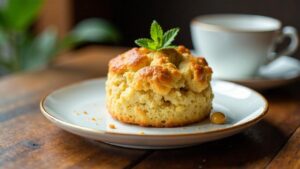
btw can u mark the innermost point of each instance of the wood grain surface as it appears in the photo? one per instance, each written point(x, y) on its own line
point(28, 140)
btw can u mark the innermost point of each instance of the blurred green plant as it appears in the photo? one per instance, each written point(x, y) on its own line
point(20, 50)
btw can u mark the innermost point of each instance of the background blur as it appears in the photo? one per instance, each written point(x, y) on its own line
point(34, 32)
point(133, 17)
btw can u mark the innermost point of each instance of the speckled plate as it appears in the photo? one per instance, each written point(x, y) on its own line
point(80, 109)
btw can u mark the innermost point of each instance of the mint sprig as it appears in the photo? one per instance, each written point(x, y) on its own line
point(159, 40)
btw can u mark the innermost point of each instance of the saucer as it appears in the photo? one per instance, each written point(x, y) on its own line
point(80, 109)
point(282, 71)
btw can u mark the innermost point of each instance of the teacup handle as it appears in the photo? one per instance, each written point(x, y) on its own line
point(287, 32)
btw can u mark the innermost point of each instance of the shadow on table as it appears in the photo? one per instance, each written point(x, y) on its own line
point(85, 153)
point(258, 144)
point(288, 93)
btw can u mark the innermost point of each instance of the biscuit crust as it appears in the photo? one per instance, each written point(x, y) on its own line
point(164, 88)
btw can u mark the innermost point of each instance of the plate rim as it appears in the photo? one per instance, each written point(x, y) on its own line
point(95, 131)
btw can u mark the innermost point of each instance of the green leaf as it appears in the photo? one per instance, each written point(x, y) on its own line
point(4, 67)
point(169, 36)
point(159, 40)
point(156, 32)
point(41, 51)
point(3, 24)
point(19, 14)
point(3, 36)
point(91, 30)
point(146, 43)
point(168, 47)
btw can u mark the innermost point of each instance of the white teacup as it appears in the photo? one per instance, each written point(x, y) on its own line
point(236, 45)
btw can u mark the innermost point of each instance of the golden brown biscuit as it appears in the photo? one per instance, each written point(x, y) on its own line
point(164, 88)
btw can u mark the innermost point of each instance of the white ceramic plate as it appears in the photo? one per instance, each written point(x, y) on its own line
point(80, 109)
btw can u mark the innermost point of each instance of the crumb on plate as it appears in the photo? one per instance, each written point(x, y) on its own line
point(112, 126)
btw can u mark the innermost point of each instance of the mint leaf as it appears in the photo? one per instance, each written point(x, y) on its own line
point(156, 32)
point(146, 43)
point(158, 40)
point(169, 36)
point(168, 47)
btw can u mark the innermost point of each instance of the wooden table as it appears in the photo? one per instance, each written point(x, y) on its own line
point(29, 140)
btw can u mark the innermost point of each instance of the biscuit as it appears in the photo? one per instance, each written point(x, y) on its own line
point(165, 88)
